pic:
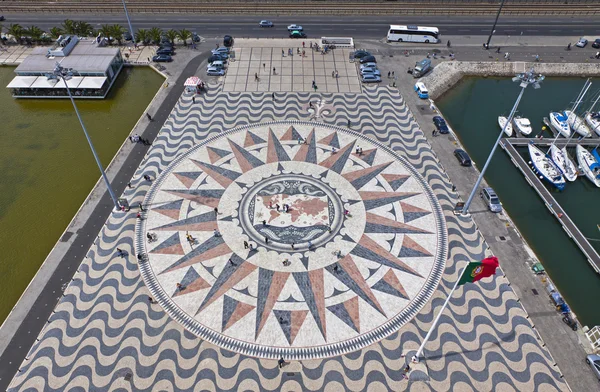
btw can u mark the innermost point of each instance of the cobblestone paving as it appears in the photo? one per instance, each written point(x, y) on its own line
point(105, 334)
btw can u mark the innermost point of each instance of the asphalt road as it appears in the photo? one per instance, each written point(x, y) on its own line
point(358, 27)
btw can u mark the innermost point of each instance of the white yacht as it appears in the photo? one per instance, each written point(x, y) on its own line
point(508, 130)
point(523, 125)
point(589, 164)
point(561, 158)
point(577, 124)
point(593, 120)
point(558, 121)
point(544, 167)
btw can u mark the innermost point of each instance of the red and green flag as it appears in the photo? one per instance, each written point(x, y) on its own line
point(478, 270)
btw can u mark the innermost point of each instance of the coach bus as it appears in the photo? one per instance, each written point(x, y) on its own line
point(413, 34)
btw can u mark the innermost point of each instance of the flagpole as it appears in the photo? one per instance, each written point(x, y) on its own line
point(415, 357)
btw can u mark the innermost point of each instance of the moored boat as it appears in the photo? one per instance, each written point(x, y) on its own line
point(503, 121)
point(545, 167)
point(589, 165)
point(558, 121)
point(577, 124)
point(593, 120)
point(561, 158)
point(523, 125)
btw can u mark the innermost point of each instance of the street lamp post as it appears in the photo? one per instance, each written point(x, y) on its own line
point(487, 44)
point(526, 79)
point(129, 22)
point(66, 74)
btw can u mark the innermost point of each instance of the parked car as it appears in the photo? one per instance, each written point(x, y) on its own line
point(168, 51)
point(421, 68)
point(368, 59)
point(195, 37)
point(462, 157)
point(370, 71)
point(582, 42)
point(360, 54)
point(491, 199)
point(596, 43)
point(265, 23)
point(221, 49)
point(162, 58)
point(370, 78)
point(440, 124)
point(294, 27)
point(1, 18)
point(297, 34)
point(217, 57)
point(166, 46)
point(214, 71)
point(421, 90)
point(228, 41)
point(368, 65)
point(594, 361)
point(127, 36)
point(217, 64)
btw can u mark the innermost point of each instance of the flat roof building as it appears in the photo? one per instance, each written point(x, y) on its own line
point(95, 68)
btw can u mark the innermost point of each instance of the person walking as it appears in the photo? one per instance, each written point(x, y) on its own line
point(149, 116)
point(193, 99)
point(274, 71)
point(281, 362)
point(498, 49)
point(282, 53)
point(448, 44)
point(273, 96)
point(348, 123)
point(255, 77)
point(245, 244)
point(337, 75)
point(389, 73)
point(266, 240)
point(333, 74)
point(264, 65)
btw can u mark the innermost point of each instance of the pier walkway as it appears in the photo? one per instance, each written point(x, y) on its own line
point(560, 142)
point(570, 228)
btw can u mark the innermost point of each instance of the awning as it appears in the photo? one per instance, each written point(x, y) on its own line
point(192, 81)
point(73, 82)
point(44, 82)
point(92, 82)
point(22, 81)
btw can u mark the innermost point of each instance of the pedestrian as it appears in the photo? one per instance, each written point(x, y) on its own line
point(139, 215)
point(303, 53)
point(273, 96)
point(141, 207)
point(336, 268)
point(147, 177)
point(313, 83)
point(311, 44)
point(453, 188)
point(282, 53)
point(149, 116)
point(333, 150)
point(274, 73)
point(216, 233)
point(337, 75)
point(129, 185)
point(389, 73)
point(357, 150)
point(231, 262)
point(264, 222)
point(498, 49)
point(270, 204)
point(179, 287)
point(333, 74)
point(310, 105)
point(193, 99)
point(281, 362)
point(298, 50)
point(448, 44)
point(264, 65)
point(393, 74)
point(315, 87)
point(149, 57)
point(303, 44)
point(120, 252)
point(293, 245)
point(433, 133)
point(266, 240)
point(348, 123)
point(151, 300)
point(245, 244)
point(216, 210)
point(255, 76)
point(277, 207)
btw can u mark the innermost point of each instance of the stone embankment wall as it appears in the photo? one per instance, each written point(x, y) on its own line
point(447, 74)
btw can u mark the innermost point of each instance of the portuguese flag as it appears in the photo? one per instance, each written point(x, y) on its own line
point(479, 270)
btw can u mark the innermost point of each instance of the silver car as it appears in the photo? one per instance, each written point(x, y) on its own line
point(594, 361)
point(266, 23)
point(368, 65)
point(213, 71)
point(582, 42)
point(370, 79)
point(491, 199)
point(370, 71)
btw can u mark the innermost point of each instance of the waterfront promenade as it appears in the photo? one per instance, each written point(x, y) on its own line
point(105, 276)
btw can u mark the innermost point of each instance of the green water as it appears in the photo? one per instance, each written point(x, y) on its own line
point(47, 169)
point(472, 109)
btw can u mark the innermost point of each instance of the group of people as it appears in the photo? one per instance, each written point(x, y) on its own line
point(138, 139)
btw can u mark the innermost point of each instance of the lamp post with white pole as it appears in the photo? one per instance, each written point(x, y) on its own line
point(66, 74)
point(526, 79)
point(129, 22)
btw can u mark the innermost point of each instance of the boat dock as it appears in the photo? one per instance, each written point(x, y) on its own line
point(509, 145)
point(560, 142)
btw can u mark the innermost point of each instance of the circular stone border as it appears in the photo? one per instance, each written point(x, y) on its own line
point(301, 353)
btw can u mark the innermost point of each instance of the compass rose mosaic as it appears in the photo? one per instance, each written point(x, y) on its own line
point(292, 239)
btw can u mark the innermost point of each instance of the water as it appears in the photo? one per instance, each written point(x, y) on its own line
point(472, 109)
point(47, 169)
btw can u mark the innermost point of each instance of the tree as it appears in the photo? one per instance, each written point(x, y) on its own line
point(106, 31)
point(55, 32)
point(142, 36)
point(184, 35)
point(117, 32)
point(83, 29)
point(35, 33)
point(155, 35)
point(172, 36)
point(69, 27)
point(16, 30)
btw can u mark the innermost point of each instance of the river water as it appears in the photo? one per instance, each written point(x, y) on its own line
point(472, 109)
point(47, 169)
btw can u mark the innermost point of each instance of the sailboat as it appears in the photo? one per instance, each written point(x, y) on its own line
point(577, 124)
point(523, 125)
point(545, 167)
point(593, 118)
point(589, 164)
point(502, 121)
point(558, 121)
point(561, 158)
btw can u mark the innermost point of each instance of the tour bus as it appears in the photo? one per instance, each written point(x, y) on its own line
point(413, 34)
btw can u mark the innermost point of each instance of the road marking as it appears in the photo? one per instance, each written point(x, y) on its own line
point(348, 29)
point(464, 29)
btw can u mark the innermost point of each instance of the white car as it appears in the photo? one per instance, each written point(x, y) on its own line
point(294, 27)
point(370, 78)
point(581, 43)
point(370, 71)
point(368, 65)
point(213, 71)
point(266, 23)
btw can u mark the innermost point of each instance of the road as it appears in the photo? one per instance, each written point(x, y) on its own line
point(359, 27)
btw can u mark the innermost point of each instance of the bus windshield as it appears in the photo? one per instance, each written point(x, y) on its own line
point(398, 33)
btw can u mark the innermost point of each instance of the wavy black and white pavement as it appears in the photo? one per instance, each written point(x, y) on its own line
point(105, 335)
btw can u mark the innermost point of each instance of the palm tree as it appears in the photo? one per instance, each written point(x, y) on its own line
point(69, 27)
point(172, 36)
point(184, 35)
point(16, 30)
point(35, 33)
point(142, 36)
point(55, 32)
point(84, 29)
point(106, 31)
point(117, 32)
point(155, 34)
